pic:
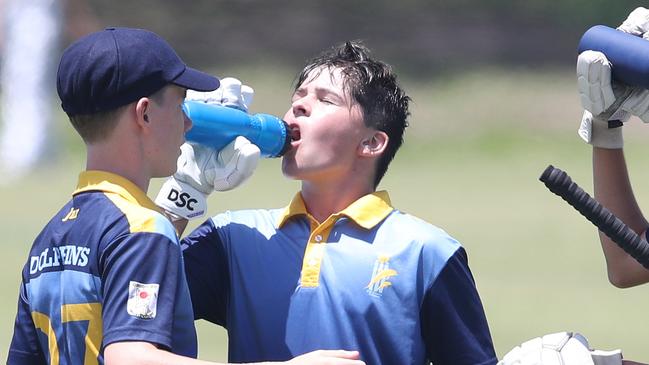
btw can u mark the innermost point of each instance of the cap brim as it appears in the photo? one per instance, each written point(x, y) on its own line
point(196, 80)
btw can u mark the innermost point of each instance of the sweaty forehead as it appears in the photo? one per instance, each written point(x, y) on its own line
point(325, 76)
point(329, 79)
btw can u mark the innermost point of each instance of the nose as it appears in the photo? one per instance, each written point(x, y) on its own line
point(187, 122)
point(300, 107)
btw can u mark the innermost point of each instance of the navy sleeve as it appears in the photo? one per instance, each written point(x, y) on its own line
point(140, 276)
point(207, 272)
point(453, 322)
point(25, 349)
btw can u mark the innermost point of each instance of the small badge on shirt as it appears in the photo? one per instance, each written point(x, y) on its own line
point(380, 276)
point(142, 300)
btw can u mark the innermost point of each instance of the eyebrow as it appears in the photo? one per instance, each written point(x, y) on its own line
point(320, 90)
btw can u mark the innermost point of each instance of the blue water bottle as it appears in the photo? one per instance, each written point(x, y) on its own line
point(217, 125)
point(628, 54)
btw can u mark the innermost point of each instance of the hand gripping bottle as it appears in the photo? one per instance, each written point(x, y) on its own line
point(628, 54)
point(217, 125)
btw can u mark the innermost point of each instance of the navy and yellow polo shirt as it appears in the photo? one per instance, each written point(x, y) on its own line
point(107, 268)
point(369, 278)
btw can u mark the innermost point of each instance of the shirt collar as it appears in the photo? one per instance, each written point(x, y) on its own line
point(111, 183)
point(367, 211)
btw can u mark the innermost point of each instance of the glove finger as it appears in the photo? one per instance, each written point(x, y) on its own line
point(600, 79)
point(246, 164)
point(231, 89)
point(638, 104)
point(238, 160)
point(247, 94)
point(594, 81)
point(637, 23)
point(227, 154)
point(586, 127)
point(186, 155)
point(576, 352)
point(186, 166)
point(209, 97)
point(190, 165)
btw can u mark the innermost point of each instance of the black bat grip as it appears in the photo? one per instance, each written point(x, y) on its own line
point(559, 182)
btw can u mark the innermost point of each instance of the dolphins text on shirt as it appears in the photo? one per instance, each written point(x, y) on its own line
point(59, 256)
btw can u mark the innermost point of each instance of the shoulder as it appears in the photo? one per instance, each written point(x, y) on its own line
point(419, 232)
point(430, 245)
point(253, 218)
point(237, 223)
point(140, 219)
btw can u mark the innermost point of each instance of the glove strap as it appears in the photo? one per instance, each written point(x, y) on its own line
point(181, 199)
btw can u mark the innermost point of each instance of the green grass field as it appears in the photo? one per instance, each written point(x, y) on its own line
point(473, 154)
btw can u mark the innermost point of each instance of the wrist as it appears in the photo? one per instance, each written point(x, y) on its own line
point(181, 200)
point(601, 133)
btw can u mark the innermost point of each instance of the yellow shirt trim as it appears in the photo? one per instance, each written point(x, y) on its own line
point(127, 196)
point(367, 212)
point(113, 183)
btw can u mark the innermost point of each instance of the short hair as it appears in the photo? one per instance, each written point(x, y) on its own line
point(374, 87)
point(98, 126)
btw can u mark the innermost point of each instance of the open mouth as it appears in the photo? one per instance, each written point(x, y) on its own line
point(295, 133)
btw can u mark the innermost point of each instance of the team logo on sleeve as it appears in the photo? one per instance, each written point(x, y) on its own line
point(142, 300)
point(380, 276)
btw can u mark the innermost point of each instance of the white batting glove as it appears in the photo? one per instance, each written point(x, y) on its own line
point(201, 169)
point(562, 348)
point(603, 99)
point(637, 23)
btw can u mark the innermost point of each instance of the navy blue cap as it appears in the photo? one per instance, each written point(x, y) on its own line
point(117, 66)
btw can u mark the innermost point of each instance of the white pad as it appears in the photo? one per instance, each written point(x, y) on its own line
point(594, 82)
point(562, 348)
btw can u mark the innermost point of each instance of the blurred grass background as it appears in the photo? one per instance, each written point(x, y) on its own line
point(473, 154)
point(484, 126)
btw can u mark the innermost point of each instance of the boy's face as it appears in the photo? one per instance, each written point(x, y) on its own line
point(327, 128)
point(169, 124)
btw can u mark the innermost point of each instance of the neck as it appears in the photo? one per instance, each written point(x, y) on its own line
point(121, 159)
point(323, 200)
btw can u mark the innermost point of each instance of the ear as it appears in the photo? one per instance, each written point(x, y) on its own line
point(142, 107)
point(374, 145)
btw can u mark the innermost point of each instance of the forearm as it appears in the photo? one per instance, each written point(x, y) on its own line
point(613, 190)
point(180, 225)
point(144, 353)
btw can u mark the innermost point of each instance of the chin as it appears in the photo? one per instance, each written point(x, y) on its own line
point(288, 167)
point(293, 172)
point(167, 171)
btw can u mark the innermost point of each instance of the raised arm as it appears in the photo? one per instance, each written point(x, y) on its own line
point(608, 105)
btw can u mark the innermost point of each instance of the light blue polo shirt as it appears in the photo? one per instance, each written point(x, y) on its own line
point(369, 278)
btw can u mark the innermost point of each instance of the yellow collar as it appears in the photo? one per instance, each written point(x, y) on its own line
point(367, 211)
point(112, 183)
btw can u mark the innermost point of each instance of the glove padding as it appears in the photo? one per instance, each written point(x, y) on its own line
point(563, 348)
point(231, 93)
point(201, 169)
point(605, 100)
